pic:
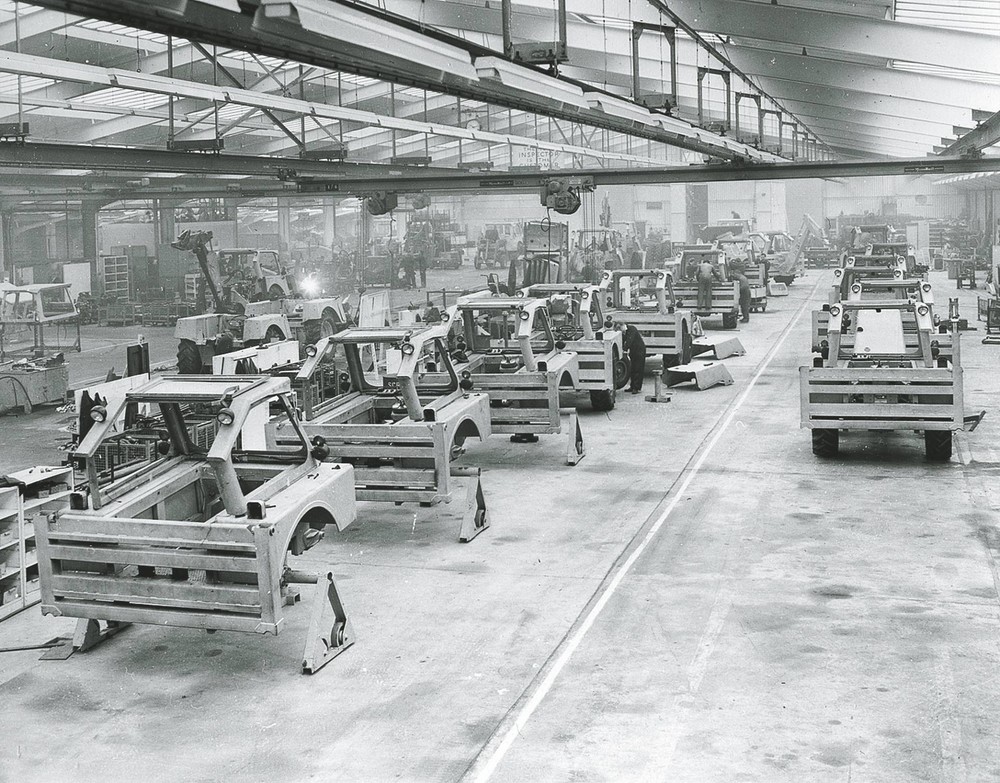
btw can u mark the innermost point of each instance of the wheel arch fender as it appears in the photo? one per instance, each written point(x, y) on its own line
point(467, 428)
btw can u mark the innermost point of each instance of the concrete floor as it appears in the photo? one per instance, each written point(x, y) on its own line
point(700, 599)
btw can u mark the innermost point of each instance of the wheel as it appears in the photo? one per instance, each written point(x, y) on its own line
point(937, 445)
point(188, 358)
point(784, 279)
point(318, 328)
point(275, 292)
point(763, 307)
point(272, 335)
point(603, 399)
point(729, 320)
point(825, 443)
point(622, 370)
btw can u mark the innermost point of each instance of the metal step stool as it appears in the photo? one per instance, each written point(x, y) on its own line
point(705, 376)
point(776, 289)
point(720, 346)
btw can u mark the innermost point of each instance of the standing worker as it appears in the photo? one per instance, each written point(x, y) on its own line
point(422, 266)
point(706, 274)
point(635, 347)
point(738, 272)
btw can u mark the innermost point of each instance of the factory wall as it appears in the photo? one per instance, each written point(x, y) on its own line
point(763, 200)
point(111, 235)
point(884, 196)
point(644, 204)
point(803, 197)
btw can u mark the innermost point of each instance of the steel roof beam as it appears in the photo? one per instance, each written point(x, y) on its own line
point(280, 37)
point(28, 64)
point(842, 32)
point(882, 144)
point(848, 128)
point(882, 123)
point(837, 74)
point(360, 178)
point(850, 101)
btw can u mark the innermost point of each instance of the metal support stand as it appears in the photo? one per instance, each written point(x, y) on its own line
point(658, 394)
point(90, 633)
point(329, 631)
point(475, 518)
point(575, 448)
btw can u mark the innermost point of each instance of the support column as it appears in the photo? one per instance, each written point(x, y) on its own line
point(284, 229)
point(329, 221)
point(88, 225)
point(7, 246)
point(163, 212)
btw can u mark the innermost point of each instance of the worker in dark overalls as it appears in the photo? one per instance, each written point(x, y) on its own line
point(635, 347)
point(706, 274)
point(737, 272)
point(422, 266)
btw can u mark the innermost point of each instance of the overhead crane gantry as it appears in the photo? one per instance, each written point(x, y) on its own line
point(297, 175)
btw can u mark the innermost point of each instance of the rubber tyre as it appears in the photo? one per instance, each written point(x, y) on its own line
point(937, 445)
point(188, 358)
point(275, 293)
point(785, 280)
point(825, 443)
point(622, 371)
point(729, 320)
point(318, 328)
point(603, 399)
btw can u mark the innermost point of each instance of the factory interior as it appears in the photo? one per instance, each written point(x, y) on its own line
point(499, 391)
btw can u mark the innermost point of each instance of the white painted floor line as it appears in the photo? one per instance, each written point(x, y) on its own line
point(484, 767)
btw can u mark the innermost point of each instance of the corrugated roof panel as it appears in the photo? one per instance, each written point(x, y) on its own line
point(951, 73)
point(123, 30)
point(8, 83)
point(116, 96)
point(973, 16)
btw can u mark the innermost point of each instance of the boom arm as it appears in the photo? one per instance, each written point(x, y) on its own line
point(809, 228)
point(197, 244)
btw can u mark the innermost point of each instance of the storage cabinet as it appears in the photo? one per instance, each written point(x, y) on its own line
point(33, 493)
point(113, 276)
